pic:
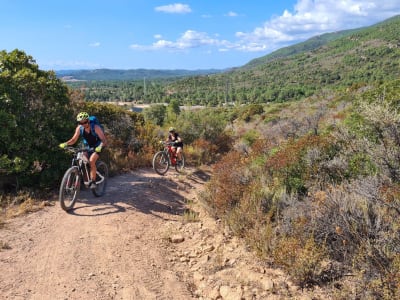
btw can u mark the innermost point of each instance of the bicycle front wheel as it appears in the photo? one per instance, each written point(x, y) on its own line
point(181, 164)
point(69, 188)
point(160, 163)
point(101, 179)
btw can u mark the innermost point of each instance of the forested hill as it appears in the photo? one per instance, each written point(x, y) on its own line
point(332, 62)
point(313, 43)
point(308, 45)
point(365, 56)
point(134, 74)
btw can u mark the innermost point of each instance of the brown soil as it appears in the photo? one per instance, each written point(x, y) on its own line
point(134, 243)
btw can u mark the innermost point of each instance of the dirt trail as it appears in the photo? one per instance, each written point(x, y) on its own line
point(119, 247)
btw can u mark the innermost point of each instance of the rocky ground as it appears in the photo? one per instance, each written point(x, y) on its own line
point(149, 237)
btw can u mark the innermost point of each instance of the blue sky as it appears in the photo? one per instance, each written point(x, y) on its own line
point(202, 34)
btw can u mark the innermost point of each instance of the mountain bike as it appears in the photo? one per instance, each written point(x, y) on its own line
point(165, 158)
point(79, 173)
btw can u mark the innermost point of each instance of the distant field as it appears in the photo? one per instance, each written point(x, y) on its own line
point(140, 107)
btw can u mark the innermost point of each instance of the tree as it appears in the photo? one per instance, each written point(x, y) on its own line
point(155, 114)
point(173, 111)
point(34, 108)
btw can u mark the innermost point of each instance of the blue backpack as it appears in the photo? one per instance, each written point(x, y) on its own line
point(93, 121)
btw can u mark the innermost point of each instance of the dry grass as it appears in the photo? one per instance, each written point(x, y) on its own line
point(22, 203)
point(4, 246)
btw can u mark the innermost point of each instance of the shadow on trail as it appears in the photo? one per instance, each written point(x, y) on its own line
point(103, 209)
point(154, 195)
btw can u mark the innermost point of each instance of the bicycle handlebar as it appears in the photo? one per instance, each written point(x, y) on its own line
point(168, 143)
point(77, 149)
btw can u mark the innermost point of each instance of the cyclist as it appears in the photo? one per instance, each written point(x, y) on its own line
point(96, 140)
point(177, 147)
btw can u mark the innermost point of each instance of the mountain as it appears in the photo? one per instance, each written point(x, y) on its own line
point(308, 45)
point(312, 44)
point(139, 74)
point(329, 62)
point(332, 62)
point(134, 74)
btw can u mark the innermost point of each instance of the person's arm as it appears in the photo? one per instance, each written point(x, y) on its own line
point(75, 137)
point(101, 135)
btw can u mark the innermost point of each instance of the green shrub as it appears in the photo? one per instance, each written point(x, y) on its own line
point(250, 137)
point(33, 109)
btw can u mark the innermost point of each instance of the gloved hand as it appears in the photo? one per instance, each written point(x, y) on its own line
point(98, 149)
point(63, 145)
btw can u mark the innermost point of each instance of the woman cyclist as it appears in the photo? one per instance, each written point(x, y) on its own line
point(95, 140)
point(177, 146)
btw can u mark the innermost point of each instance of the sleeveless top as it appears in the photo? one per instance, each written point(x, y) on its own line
point(91, 140)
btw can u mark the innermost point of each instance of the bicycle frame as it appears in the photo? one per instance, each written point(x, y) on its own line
point(78, 173)
point(80, 160)
point(168, 149)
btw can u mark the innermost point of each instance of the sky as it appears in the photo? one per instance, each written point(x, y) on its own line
point(169, 34)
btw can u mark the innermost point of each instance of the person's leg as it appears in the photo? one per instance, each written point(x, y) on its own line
point(178, 153)
point(173, 150)
point(93, 158)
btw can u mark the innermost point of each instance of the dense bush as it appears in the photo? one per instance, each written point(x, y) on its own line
point(33, 109)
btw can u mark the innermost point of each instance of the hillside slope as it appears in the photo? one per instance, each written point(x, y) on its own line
point(364, 56)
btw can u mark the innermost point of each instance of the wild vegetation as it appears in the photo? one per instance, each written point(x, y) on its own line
point(307, 172)
point(322, 204)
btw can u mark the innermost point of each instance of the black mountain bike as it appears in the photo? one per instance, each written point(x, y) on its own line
point(79, 173)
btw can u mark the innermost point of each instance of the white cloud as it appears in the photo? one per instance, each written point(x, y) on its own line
point(232, 14)
point(313, 17)
point(189, 39)
point(95, 44)
point(307, 18)
point(176, 8)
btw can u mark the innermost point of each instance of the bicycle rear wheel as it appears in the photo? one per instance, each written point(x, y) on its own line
point(180, 165)
point(69, 188)
point(101, 179)
point(160, 163)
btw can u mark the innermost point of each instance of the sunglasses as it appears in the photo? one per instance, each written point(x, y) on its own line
point(84, 122)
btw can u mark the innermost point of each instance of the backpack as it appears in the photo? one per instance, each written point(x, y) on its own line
point(93, 121)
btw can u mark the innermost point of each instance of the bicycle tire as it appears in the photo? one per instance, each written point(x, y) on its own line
point(100, 189)
point(69, 188)
point(160, 163)
point(181, 165)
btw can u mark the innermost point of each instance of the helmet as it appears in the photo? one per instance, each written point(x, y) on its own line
point(171, 129)
point(82, 116)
